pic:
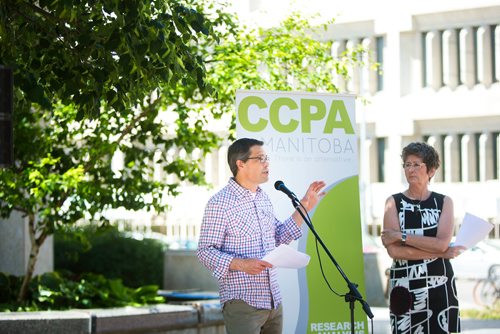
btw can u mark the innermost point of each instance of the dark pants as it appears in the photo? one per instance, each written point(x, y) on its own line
point(241, 318)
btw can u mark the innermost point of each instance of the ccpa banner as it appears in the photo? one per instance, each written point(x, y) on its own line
point(312, 136)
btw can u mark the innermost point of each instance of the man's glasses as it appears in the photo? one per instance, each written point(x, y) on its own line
point(262, 159)
point(415, 166)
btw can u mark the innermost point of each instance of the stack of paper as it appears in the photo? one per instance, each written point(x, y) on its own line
point(285, 256)
point(472, 230)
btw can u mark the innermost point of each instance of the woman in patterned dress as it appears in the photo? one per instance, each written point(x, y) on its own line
point(418, 227)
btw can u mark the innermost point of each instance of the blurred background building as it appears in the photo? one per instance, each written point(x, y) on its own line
point(438, 82)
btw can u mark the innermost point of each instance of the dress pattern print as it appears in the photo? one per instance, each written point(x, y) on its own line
point(431, 282)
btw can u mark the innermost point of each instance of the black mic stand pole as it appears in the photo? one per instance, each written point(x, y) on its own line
point(353, 293)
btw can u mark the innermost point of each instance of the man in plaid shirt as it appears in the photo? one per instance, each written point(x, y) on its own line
point(238, 229)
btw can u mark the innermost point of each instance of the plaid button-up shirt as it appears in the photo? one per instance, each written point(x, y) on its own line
point(239, 224)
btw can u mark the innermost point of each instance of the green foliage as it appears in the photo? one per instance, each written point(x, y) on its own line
point(489, 312)
point(62, 290)
point(90, 53)
point(110, 253)
point(96, 267)
point(89, 81)
point(142, 78)
point(8, 288)
point(110, 59)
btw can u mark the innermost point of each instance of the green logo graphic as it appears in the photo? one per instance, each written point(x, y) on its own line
point(311, 110)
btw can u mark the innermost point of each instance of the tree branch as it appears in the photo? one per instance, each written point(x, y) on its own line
point(48, 16)
point(53, 19)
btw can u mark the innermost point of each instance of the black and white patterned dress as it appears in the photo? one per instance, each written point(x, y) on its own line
point(434, 307)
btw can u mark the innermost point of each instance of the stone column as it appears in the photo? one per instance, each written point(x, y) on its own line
point(353, 85)
point(435, 142)
point(368, 75)
point(433, 57)
point(338, 47)
point(467, 57)
point(468, 158)
point(450, 58)
point(448, 156)
point(485, 157)
point(484, 59)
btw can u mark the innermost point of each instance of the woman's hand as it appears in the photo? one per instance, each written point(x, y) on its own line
point(390, 237)
point(454, 251)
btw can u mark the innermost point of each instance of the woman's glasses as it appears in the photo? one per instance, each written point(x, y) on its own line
point(416, 165)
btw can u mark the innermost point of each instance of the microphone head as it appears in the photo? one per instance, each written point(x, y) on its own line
point(278, 184)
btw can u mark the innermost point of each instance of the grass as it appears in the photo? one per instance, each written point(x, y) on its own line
point(489, 312)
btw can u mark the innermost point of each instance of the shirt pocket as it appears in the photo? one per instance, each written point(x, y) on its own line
point(244, 225)
point(266, 219)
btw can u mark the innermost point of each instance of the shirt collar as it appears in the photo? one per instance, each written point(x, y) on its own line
point(239, 190)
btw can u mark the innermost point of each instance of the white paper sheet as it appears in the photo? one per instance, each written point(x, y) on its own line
point(472, 230)
point(285, 256)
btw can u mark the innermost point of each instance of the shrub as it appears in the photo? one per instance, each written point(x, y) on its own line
point(62, 290)
point(95, 267)
point(110, 253)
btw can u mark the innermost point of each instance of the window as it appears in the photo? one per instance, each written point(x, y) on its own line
point(442, 155)
point(494, 32)
point(477, 156)
point(380, 159)
point(462, 50)
point(494, 148)
point(424, 60)
point(380, 61)
point(475, 54)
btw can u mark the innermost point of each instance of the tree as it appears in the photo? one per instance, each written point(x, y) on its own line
point(89, 79)
point(144, 77)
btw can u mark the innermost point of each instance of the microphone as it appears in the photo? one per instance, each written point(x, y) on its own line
point(279, 185)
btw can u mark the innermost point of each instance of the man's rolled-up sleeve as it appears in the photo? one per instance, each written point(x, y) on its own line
point(210, 245)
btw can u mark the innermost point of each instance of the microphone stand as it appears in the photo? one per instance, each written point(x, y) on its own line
point(353, 293)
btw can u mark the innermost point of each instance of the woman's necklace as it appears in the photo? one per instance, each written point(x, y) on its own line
point(417, 200)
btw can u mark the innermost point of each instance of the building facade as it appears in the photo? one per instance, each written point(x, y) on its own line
point(438, 81)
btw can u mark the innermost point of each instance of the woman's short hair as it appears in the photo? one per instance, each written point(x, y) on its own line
point(240, 150)
point(424, 151)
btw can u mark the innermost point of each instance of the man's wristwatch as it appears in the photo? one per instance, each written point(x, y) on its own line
point(403, 238)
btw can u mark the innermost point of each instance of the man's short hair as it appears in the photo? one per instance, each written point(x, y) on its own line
point(240, 150)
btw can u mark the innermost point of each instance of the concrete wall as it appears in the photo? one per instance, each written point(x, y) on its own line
point(182, 271)
point(196, 318)
point(15, 246)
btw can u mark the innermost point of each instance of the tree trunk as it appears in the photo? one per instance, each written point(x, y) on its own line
point(36, 243)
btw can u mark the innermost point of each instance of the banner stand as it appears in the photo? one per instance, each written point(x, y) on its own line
point(312, 136)
point(353, 295)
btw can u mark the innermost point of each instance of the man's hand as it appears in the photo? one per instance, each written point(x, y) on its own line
point(249, 266)
point(313, 194)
